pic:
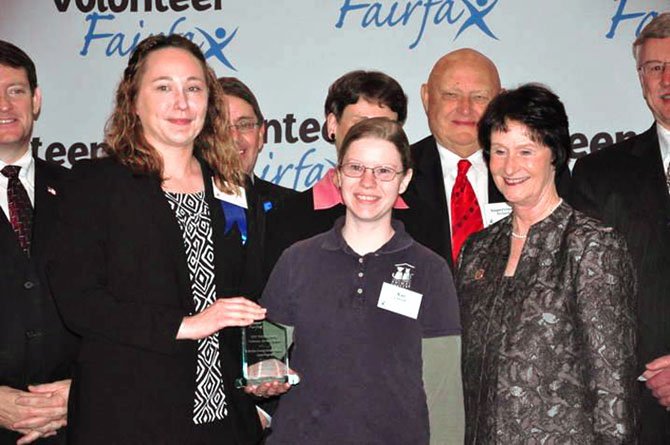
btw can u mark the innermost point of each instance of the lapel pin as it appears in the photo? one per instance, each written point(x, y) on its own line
point(479, 274)
point(51, 191)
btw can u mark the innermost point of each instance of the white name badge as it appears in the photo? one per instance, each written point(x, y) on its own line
point(495, 211)
point(399, 300)
point(239, 200)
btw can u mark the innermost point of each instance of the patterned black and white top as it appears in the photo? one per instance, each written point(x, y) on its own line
point(194, 219)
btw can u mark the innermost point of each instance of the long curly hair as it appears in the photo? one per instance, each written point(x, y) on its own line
point(124, 134)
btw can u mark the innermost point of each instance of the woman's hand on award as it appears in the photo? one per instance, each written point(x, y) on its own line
point(225, 312)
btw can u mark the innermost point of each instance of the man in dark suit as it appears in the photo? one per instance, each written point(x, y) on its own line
point(263, 197)
point(626, 186)
point(248, 131)
point(459, 87)
point(36, 351)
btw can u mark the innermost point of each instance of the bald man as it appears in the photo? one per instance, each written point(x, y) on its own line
point(459, 87)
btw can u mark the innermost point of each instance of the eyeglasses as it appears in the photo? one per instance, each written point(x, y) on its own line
point(355, 170)
point(244, 126)
point(653, 68)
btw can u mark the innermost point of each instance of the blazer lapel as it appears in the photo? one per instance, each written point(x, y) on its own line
point(164, 218)
point(433, 176)
point(430, 181)
point(47, 188)
point(647, 149)
point(229, 253)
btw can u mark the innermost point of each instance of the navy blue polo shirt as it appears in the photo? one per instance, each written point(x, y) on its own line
point(360, 365)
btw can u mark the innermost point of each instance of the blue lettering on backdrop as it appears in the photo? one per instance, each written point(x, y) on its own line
point(374, 14)
point(643, 17)
point(313, 170)
point(117, 43)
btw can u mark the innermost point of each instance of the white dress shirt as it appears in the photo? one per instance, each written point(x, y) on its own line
point(664, 142)
point(26, 176)
point(478, 175)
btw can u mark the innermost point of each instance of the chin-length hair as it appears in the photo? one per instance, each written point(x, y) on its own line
point(124, 134)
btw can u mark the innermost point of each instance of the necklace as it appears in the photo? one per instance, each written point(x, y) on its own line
point(519, 236)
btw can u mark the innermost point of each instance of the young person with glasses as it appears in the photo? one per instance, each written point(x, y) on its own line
point(362, 298)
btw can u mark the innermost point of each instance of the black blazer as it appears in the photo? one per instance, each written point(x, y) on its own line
point(428, 184)
point(624, 186)
point(271, 196)
point(264, 199)
point(35, 346)
point(122, 283)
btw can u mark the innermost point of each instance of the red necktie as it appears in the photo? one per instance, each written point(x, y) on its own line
point(20, 208)
point(466, 217)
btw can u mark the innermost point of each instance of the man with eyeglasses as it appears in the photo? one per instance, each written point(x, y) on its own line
point(626, 186)
point(449, 167)
point(247, 129)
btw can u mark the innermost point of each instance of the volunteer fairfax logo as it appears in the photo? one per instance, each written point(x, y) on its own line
point(402, 277)
point(103, 37)
point(103, 33)
point(462, 13)
point(630, 15)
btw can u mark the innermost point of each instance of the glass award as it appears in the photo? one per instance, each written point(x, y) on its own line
point(265, 355)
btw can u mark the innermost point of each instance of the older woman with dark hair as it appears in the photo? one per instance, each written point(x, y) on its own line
point(547, 296)
point(146, 272)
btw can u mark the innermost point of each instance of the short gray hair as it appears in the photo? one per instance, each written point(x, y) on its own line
point(658, 28)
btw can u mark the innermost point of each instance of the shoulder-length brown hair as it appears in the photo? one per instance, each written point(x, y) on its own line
point(124, 134)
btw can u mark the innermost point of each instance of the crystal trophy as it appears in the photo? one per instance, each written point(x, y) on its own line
point(265, 355)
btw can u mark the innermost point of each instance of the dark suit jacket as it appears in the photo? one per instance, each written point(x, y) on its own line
point(271, 195)
point(35, 347)
point(122, 282)
point(264, 199)
point(624, 186)
point(428, 184)
point(297, 220)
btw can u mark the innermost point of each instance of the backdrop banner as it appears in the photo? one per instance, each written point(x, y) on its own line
point(289, 52)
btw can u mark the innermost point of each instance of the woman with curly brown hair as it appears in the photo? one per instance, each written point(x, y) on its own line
point(145, 271)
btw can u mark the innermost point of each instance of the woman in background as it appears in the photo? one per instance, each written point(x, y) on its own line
point(547, 296)
point(144, 269)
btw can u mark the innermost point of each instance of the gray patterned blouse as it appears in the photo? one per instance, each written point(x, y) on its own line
point(549, 354)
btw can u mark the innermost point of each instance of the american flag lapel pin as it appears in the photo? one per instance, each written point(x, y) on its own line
point(51, 191)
